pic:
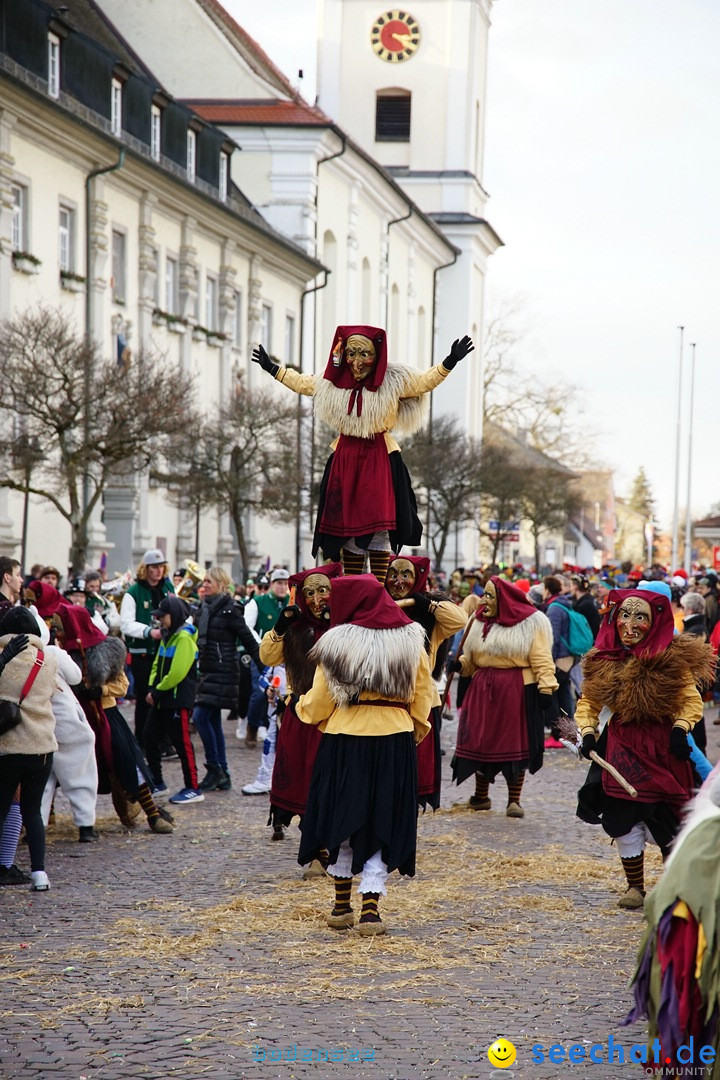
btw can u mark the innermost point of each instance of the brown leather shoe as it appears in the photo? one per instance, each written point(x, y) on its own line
point(632, 899)
point(514, 809)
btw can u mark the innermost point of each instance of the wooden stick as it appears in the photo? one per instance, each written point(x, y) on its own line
point(613, 772)
point(458, 654)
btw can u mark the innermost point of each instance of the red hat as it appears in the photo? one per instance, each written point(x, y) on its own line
point(337, 370)
point(80, 630)
point(47, 599)
point(522, 584)
point(680, 573)
point(360, 599)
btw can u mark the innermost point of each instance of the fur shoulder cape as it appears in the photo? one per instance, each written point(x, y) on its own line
point(299, 669)
point(357, 660)
point(105, 661)
point(331, 405)
point(509, 641)
point(644, 689)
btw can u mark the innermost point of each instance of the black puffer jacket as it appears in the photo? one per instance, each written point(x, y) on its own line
point(221, 624)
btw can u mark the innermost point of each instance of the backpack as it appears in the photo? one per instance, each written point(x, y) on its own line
point(580, 639)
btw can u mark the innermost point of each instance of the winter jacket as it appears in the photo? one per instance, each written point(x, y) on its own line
point(220, 623)
point(173, 679)
point(587, 607)
point(35, 734)
point(557, 613)
point(136, 609)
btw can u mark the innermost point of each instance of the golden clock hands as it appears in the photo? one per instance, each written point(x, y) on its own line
point(404, 39)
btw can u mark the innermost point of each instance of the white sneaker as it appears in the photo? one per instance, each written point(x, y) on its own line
point(40, 881)
point(256, 788)
point(241, 729)
point(262, 734)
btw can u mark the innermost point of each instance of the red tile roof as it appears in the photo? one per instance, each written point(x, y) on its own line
point(285, 113)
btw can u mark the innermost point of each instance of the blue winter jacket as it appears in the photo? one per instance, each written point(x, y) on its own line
point(557, 613)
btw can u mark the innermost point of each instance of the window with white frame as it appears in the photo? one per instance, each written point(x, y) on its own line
point(266, 327)
point(116, 107)
point(224, 174)
point(19, 218)
point(118, 265)
point(66, 239)
point(238, 321)
point(289, 354)
point(191, 154)
point(171, 285)
point(211, 302)
point(53, 44)
point(155, 124)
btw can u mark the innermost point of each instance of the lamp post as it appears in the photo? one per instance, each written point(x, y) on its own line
point(688, 516)
point(677, 455)
point(27, 453)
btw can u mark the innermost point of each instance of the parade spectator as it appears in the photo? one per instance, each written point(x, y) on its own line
point(50, 576)
point(584, 603)
point(261, 615)
point(10, 583)
point(141, 637)
point(27, 676)
point(220, 624)
point(100, 605)
point(557, 613)
point(171, 693)
point(707, 587)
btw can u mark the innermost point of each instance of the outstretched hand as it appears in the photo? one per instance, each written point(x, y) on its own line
point(259, 356)
point(458, 351)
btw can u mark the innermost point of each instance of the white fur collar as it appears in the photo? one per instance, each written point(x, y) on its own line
point(331, 405)
point(358, 660)
point(509, 641)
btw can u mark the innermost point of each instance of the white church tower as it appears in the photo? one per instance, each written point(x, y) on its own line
point(408, 84)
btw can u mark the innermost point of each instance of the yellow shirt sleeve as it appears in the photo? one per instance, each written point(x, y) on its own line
point(272, 652)
point(301, 384)
point(690, 709)
point(317, 706)
point(586, 716)
point(423, 382)
point(542, 665)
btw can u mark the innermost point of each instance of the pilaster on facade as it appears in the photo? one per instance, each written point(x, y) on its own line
point(7, 172)
point(227, 288)
point(97, 281)
point(147, 266)
point(254, 305)
point(188, 271)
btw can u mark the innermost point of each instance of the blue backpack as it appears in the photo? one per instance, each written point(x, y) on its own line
point(580, 639)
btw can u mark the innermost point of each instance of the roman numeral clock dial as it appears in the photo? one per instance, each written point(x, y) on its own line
point(395, 36)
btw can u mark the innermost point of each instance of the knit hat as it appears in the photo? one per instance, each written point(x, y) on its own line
point(18, 620)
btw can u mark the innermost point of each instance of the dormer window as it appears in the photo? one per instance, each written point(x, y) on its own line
point(191, 154)
point(155, 129)
point(53, 49)
point(116, 107)
point(224, 175)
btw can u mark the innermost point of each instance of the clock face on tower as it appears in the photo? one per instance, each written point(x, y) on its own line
point(395, 36)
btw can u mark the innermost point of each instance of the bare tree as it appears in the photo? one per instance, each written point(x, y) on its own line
point(549, 500)
point(243, 459)
point(502, 481)
point(446, 469)
point(84, 417)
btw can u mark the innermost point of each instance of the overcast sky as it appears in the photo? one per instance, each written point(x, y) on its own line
point(603, 166)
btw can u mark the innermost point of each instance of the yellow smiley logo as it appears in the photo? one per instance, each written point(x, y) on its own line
point(501, 1054)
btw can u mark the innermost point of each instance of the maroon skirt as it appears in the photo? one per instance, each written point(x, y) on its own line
point(360, 498)
point(428, 763)
point(500, 727)
point(641, 753)
point(295, 753)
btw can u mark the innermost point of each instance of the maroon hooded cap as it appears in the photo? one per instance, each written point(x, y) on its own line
point(80, 631)
point(339, 374)
point(658, 637)
point(360, 599)
point(47, 598)
point(421, 565)
point(513, 605)
point(295, 581)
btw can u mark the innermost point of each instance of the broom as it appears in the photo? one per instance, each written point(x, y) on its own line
point(570, 737)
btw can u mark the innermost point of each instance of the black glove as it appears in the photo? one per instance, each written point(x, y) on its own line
point(88, 693)
point(16, 645)
point(325, 615)
point(545, 701)
point(259, 356)
point(286, 618)
point(679, 746)
point(456, 665)
point(458, 351)
point(589, 743)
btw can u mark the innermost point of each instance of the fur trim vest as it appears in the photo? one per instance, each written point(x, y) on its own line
point(511, 642)
point(378, 406)
point(645, 689)
point(357, 660)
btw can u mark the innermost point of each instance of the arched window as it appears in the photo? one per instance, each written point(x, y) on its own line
point(392, 115)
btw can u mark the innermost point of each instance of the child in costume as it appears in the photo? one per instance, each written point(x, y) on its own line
point(508, 653)
point(645, 680)
point(366, 500)
point(371, 697)
point(406, 582)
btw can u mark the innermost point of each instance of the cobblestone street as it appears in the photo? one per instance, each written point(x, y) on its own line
point(199, 953)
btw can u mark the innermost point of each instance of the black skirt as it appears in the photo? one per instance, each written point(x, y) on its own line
point(127, 755)
point(408, 527)
point(364, 790)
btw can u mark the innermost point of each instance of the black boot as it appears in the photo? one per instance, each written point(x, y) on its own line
point(87, 833)
point(212, 779)
point(225, 784)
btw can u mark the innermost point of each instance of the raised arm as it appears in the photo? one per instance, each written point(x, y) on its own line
point(428, 380)
point(300, 384)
